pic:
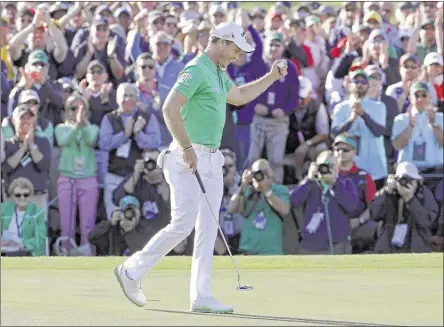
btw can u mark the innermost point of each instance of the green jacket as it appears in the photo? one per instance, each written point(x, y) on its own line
point(77, 155)
point(48, 131)
point(33, 228)
point(266, 241)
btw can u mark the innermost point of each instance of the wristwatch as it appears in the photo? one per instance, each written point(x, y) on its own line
point(268, 194)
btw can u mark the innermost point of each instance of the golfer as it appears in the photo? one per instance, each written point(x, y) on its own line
point(195, 115)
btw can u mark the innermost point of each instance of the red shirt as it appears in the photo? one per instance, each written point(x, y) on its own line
point(370, 189)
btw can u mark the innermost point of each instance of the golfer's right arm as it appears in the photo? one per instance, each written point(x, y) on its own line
point(171, 112)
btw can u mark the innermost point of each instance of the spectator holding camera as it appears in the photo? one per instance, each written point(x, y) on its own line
point(438, 237)
point(34, 76)
point(406, 209)
point(365, 119)
point(418, 134)
point(43, 127)
point(328, 200)
point(77, 184)
point(23, 223)
point(363, 229)
point(148, 186)
point(125, 133)
point(263, 204)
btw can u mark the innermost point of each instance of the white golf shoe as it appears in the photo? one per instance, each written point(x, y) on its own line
point(210, 305)
point(131, 288)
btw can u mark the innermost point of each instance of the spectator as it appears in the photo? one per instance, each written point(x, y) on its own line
point(328, 200)
point(272, 108)
point(77, 184)
point(104, 47)
point(409, 70)
point(262, 203)
point(365, 119)
point(147, 184)
point(138, 37)
point(308, 128)
point(203, 36)
point(438, 237)
point(4, 55)
point(2, 148)
point(42, 35)
point(125, 133)
point(363, 230)
point(258, 18)
point(27, 155)
point(43, 127)
point(231, 222)
point(35, 76)
point(5, 91)
point(23, 223)
point(217, 14)
point(375, 92)
point(406, 210)
point(167, 71)
point(296, 50)
point(423, 40)
point(433, 71)
point(418, 134)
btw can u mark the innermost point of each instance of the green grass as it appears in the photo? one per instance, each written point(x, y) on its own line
point(288, 290)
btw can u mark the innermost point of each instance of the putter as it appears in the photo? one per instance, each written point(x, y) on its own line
point(239, 286)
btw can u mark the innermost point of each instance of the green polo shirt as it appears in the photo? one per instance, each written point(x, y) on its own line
point(205, 86)
point(422, 51)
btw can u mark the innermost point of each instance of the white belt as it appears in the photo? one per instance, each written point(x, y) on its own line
point(196, 147)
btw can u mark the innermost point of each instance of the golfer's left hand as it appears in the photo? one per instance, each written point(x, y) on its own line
point(279, 68)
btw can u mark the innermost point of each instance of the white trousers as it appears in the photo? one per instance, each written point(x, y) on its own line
point(188, 209)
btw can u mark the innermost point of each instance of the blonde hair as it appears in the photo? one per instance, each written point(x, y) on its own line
point(22, 183)
point(73, 97)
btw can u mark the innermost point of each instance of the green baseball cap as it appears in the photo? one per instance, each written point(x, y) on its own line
point(128, 201)
point(358, 72)
point(347, 139)
point(419, 86)
point(38, 56)
point(428, 21)
point(276, 36)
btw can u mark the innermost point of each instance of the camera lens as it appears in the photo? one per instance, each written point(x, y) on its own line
point(129, 213)
point(324, 169)
point(150, 165)
point(404, 181)
point(259, 176)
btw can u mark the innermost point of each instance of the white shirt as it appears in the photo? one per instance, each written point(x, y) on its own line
point(16, 221)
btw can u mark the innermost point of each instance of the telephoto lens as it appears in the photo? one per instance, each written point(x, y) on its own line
point(259, 176)
point(324, 169)
point(129, 213)
point(150, 164)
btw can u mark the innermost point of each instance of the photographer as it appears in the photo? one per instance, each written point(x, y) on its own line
point(328, 200)
point(406, 209)
point(263, 204)
point(148, 186)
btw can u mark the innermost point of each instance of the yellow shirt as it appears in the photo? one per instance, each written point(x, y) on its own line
point(4, 55)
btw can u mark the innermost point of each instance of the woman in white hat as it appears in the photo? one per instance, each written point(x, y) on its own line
point(433, 73)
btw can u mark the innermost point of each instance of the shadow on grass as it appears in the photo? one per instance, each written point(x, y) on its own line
point(273, 318)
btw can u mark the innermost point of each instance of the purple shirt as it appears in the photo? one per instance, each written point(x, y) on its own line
point(343, 201)
point(284, 93)
point(148, 138)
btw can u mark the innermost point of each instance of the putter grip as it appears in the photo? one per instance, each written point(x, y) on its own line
point(199, 180)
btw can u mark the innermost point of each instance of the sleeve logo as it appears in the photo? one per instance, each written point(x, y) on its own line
point(184, 77)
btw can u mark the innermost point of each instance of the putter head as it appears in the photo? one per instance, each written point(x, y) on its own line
point(244, 288)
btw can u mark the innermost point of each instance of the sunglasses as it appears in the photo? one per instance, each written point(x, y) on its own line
point(22, 195)
point(342, 149)
point(101, 28)
point(171, 25)
point(159, 22)
point(26, 21)
point(147, 66)
point(32, 102)
point(75, 108)
point(428, 28)
point(375, 77)
point(360, 81)
point(420, 95)
point(96, 71)
point(275, 45)
point(39, 64)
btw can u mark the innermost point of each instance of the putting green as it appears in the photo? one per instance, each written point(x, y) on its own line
point(288, 290)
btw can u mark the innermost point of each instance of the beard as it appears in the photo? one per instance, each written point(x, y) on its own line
point(359, 93)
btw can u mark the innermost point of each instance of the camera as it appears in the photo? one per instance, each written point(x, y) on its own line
point(404, 181)
point(259, 176)
point(129, 213)
point(150, 164)
point(324, 169)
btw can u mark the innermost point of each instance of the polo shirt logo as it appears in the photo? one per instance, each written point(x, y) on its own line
point(184, 77)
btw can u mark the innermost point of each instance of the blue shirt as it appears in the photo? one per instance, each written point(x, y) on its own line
point(371, 155)
point(422, 132)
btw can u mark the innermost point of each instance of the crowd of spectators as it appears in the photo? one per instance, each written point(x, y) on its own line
point(346, 150)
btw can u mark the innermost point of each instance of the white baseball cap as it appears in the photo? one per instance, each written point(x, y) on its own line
point(305, 87)
point(408, 169)
point(232, 32)
point(433, 58)
point(27, 95)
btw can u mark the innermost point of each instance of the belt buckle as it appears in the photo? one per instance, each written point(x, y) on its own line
point(213, 150)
